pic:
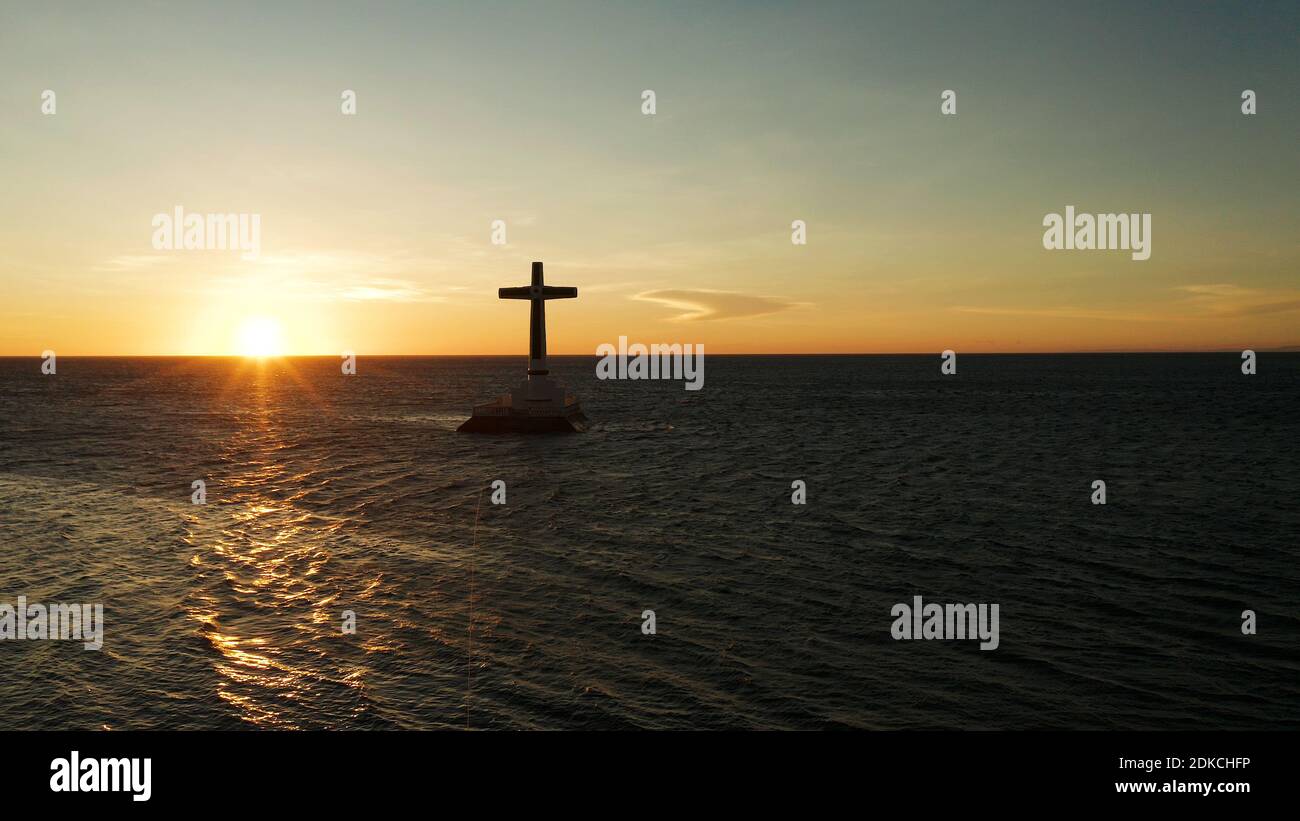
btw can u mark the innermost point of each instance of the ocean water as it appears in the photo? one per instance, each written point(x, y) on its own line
point(328, 493)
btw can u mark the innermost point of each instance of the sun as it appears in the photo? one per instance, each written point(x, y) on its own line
point(259, 337)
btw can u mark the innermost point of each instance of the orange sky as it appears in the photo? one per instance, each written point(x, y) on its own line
point(924, 230)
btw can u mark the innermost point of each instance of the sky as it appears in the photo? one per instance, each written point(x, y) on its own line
point(924, 230)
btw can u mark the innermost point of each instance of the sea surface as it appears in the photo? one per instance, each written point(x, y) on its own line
point(329, 493)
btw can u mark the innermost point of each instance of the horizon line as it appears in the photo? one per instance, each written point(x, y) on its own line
point(1108, 351)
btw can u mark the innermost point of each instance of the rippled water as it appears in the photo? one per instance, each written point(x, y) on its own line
point(328, 493)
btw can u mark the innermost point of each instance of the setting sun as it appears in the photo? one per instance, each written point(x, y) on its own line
point(259, 337)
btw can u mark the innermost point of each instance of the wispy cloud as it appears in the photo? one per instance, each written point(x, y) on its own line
point(1226, 300)
point(1208, 301)
point(389, 290)
point(701, 303)
point(1062, 312)
point(132, 262)
point(335, 275)
point(1220, 289)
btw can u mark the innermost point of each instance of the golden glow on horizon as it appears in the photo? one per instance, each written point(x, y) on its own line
point(260, 337)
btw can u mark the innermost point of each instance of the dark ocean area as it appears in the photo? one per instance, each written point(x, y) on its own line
point(328, 493)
